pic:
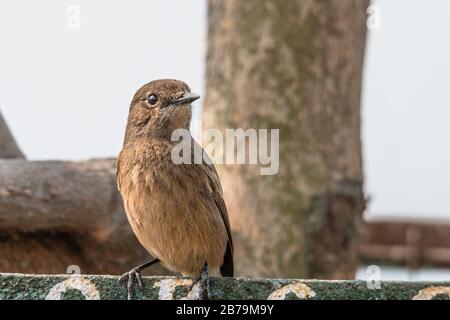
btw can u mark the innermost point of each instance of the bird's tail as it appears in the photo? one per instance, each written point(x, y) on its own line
point(227, 268)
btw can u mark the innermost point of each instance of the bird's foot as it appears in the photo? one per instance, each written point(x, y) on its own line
point(133, 273)
point(204, 287)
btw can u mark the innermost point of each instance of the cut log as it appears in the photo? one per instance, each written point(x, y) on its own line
point(60, 195)
point(59, 213)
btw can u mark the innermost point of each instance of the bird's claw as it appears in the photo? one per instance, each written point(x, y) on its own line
point(133, 273)
point(204, 286)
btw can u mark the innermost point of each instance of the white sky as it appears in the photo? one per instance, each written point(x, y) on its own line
point(407, 109)
point(65, 93)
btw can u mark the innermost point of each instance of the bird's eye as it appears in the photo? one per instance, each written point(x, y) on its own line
point(152, 99)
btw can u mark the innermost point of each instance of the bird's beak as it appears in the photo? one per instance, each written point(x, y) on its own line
point(187, 98)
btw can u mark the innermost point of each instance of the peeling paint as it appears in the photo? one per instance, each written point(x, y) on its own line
point(301, 290)
point(194, 294)
point(431, 292)
point(86, 287)
point(167, 287)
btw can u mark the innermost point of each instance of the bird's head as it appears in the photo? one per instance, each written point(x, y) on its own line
point(158, 108)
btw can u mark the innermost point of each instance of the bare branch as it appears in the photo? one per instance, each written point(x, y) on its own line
point(8, 146)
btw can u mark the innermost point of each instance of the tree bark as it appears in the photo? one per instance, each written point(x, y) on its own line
point(296, 66)
point(60, 195)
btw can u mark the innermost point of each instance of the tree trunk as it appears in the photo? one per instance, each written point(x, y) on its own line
point(295, 66)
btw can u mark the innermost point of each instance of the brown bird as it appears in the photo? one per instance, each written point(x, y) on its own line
point(176, 210)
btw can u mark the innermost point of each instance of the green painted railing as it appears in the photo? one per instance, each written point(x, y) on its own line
point(22, 286)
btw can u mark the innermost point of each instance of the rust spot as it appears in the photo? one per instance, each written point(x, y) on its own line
point(301, 290)
point(431, 292)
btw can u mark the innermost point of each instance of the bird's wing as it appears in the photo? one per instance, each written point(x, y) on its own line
point(227, 268)
point(118, 166)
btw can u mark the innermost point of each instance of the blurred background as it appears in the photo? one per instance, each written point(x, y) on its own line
point(366, 82)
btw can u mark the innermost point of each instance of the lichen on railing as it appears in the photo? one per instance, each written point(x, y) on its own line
point(95, 287)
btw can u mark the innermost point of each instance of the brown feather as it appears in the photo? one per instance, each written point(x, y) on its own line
point(177, 211)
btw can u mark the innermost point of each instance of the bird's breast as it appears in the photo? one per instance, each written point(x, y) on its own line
point(169, 210)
